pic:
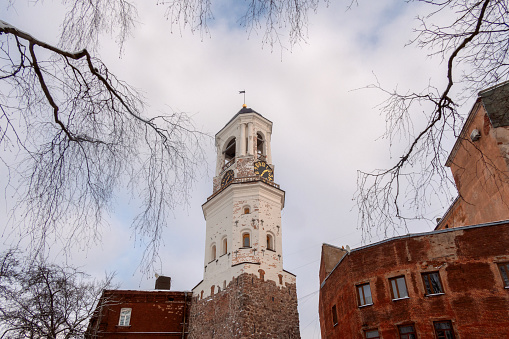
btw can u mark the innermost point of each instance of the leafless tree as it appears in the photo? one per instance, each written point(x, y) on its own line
point(41, 300)
point(74, 134)
point(474, 45)
point(282, 22)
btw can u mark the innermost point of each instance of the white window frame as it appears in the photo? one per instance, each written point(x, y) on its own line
point(125, 317)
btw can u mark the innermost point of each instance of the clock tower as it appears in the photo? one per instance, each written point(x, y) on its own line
point(245, 292)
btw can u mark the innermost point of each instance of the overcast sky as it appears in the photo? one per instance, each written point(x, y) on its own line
point(324, 128)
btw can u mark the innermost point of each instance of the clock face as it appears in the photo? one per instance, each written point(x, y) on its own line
point(263, 170)
point(227, 178)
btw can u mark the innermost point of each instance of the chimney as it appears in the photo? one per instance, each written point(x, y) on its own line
point(163, 283)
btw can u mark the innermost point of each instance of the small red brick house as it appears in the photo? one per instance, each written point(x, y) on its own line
point(449, 283)
point(160, 313)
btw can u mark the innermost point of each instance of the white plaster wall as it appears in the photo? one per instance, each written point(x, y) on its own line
point(224, 216)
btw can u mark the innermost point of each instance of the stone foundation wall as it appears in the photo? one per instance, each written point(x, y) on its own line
point(248, 308)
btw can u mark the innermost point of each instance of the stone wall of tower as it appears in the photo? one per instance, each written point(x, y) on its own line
point(250, 307)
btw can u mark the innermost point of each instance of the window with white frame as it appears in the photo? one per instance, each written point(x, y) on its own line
point(432, 283)
point(398, 288)
point(364, 294)
point(407, 332)
point(125, 317)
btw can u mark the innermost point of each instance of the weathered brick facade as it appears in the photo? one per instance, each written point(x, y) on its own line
point(466, 259)
point(248, 308)
point(450, 283)
point(158, 313)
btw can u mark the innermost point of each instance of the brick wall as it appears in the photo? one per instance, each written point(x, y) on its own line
point(161, 314)
point(474, 298)
point(248, 308)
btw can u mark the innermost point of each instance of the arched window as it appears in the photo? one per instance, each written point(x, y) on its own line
point(247, 209)
point(270, 242)
point(260, 151)
point(213, 252)
point(229, 152)
point(225, 245)
point(246, 241)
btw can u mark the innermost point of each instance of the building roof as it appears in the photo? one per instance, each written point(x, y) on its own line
point(243, 110)
point(408, 236)
point(496, 103)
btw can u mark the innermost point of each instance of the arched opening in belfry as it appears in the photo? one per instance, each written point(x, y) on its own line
point(229, 152)
point(260, 145)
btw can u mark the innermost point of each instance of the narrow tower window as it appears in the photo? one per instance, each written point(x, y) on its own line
point(246, 242)
point(260, 145)
point(213, 252)
point(225, 245)
point(270, 242)
point(229, 152)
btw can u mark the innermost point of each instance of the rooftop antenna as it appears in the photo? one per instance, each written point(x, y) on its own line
point(243, 92)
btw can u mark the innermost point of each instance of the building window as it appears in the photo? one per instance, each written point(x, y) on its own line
point(225, 245)
point(334, 315)
point(213, 252)
point(280, 279)
point(364, 294)
point(443, 330)
point(229, 152)
point(398, 288)
point(270, 242)
point(371, 334)
point(504, 272)
point(125, 317)
point(246, 242)
point(432, 283)
point(260, 145)
point(247, 210)
point(407, 332)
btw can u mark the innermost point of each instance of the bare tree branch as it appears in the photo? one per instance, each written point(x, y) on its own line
point(94, 140)
point(475, 43)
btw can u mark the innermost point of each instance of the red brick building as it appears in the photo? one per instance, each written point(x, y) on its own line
point(449, 283)
point(123, 314)
point(451, 278)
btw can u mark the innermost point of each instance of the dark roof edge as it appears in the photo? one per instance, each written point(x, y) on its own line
point(449, 210)
point(339, 262)
point(245, 110)
point(485, 91)
point(413, 235)
point(147, 291)
point(290, 273)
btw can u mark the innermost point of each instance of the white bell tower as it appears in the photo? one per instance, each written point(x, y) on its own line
point(243, 214)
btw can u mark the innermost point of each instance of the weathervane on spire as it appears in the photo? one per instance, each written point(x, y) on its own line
point(243, 92)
